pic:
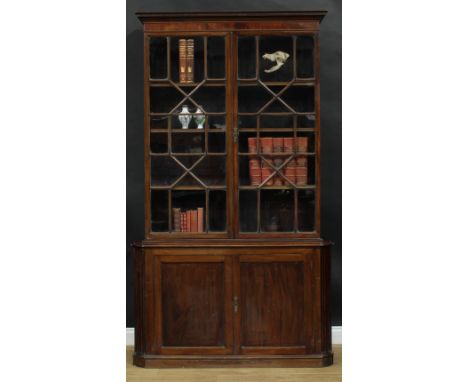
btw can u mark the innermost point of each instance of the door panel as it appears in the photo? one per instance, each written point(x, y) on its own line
point(272, 305)
point(196, 305)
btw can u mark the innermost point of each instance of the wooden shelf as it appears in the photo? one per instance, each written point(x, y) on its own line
point(168, 84)
point(275, 154)
point(307, 187)
point(187, 188)
point(241, 114)
point(185, 154)
point(276, 83)
point(277, 129)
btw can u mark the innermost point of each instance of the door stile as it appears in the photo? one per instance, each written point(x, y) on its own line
point(234, 134)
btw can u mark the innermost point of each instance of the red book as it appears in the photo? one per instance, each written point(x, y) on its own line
point(301, 161)
point(252, 145)
point(290, 171)
point(278, 148)
point(193, 221)
point(187, 221)
point(200, 220)
point(288, 145)
point(266, 145)
point(254, 171)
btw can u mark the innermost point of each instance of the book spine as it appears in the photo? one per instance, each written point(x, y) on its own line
point(290, 168)
point(176, 218)
point(267, 170)
point(301, 161)
point(200, 219)
point(182, 60)
point(255, 171)
point(278, 144)
point(193, 221)
point(190, 59)
point(187, 221)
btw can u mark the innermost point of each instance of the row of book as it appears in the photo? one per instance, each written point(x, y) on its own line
point(188, 221)
point(295, 169)
point(186, 49)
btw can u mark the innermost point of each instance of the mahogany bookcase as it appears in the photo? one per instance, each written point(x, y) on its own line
point(250, 286)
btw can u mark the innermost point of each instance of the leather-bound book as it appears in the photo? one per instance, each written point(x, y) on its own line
point(176, 219)
point(190, 59)
point(301, 161)
point(266, 145)
point(255, 171)
point(193, 221)
point(290, 168)
point(253, 145)
point(200, 220)
point(266, 172)
point(187, 221)
point(182, 60)
point(182, 222)
point(278, 160)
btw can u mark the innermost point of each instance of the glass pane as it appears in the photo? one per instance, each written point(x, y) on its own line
point(248, 211)
point(216, 122)
point(184, 142)
point(164, 99)
point(305, 56)
point(216, 142)
point(158, 143)
point(277, 210)
point(217, 211)
point(252, 98)
point(164, 171)
point(276, 63)
point(246, 54)
point(159, 211)
point(276, 121)
point(158, 57)
point(212, 171)
point(300, 98)
point(215, 63)
point(159, 122)
point(306, 121)
point(211, 98)
point(306, 210)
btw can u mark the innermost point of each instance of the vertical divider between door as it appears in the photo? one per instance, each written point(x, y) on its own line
point(236, 299)
point(232, 81)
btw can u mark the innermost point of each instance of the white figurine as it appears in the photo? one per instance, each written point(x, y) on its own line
point(185, 117)
point(279, 57)
point(199, 118)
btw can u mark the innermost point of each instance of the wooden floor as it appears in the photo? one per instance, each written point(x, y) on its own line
point(325, 374)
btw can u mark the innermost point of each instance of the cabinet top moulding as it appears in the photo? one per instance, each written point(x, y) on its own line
point(230, 15)
point(281, 21)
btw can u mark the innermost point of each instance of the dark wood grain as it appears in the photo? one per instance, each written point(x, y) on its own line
point(193, 304)
point(272, 303)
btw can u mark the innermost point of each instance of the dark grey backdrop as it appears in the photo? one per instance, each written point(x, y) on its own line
point(330, 43)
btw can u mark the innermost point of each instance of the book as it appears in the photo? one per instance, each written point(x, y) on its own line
point(255, 171)
point(190, 59)
point(193, 221)
point(252, 145)
point(188, 221)
point(267, 170)
point(176, 219)
point(266, 145)
point(301, 161)
point(200, 219)
point(290, 168)
point(182, 60)
point(277, 161)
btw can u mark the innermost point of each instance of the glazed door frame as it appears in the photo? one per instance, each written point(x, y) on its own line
point(147, 83)
point(235, 147)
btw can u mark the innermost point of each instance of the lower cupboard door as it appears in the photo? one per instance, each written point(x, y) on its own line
point(195, 309)
point(274, 307)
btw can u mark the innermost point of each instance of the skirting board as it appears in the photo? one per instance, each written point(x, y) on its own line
point(336, 336)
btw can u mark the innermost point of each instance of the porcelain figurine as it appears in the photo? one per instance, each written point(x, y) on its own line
point(185, 117)
point(199, 118)
point(279, 57)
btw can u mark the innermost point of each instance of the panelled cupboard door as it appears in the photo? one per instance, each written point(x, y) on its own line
point(195, 309)
point(274, 305)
